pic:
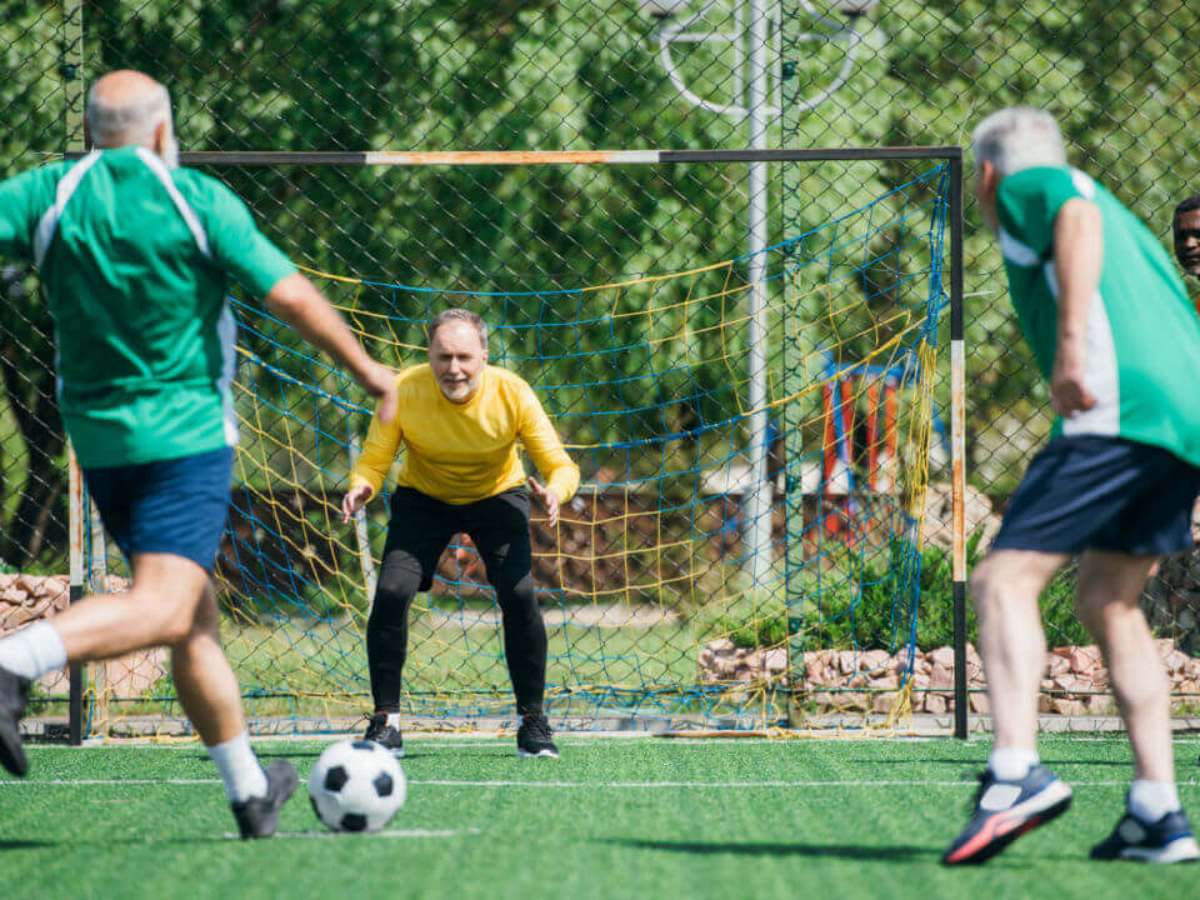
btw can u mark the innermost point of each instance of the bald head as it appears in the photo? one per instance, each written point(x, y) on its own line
point(127, 107)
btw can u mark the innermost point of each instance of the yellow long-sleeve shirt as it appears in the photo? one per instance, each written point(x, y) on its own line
point(463, 452)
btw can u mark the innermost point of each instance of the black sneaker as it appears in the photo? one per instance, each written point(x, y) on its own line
point(259, 816)
point(379, 731)
point(14, 694)
point(1005, 810)
point(534, 737)
point(1169, 840)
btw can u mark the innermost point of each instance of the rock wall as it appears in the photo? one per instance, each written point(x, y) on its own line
point(28, 598)
point(1075, 682)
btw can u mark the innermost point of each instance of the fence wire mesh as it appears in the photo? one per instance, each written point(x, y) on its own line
point(575, 74)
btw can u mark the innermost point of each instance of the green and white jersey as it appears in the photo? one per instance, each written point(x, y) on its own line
point(1143, 334)
point(135, 262)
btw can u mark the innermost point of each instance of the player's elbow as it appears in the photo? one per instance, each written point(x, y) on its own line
point(291, 296)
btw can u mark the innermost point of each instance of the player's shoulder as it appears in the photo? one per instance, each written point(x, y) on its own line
point(207, 193)
point(415, 377)
point(507, 378)
point(1042, 180)
point(39, 183)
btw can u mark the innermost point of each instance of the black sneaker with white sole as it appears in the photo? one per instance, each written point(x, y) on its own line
point(387, 736)
point(534, 737)
point(1169, 840)
point(14, 694)
point(258, 817)
point(1005, 810)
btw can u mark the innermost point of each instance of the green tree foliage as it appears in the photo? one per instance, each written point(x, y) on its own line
point(452, 74)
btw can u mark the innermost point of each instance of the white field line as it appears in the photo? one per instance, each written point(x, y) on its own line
point(571, 785)
point(390, 833)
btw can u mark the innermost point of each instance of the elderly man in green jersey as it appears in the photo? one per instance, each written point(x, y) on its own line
point(1113, 332)
point(135, 257)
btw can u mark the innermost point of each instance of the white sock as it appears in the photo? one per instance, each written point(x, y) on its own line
point(393, 719)
point(239, 768)
point(1012, 763)
point(33, 652)
point(1151, 800)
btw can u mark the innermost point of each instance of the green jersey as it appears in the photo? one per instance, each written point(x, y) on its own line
point(1143, 334)
point(135, 262)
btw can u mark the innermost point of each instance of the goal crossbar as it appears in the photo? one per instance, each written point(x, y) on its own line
point(551, 157)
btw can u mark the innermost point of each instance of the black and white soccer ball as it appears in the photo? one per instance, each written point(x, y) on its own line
point(356, 786)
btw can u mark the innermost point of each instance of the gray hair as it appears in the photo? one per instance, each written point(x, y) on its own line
point(131, 122)
point(456, 314)
point(1019, 137)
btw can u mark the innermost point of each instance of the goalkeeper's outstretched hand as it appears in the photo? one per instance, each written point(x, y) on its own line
point(548, 498)
point(354, 500)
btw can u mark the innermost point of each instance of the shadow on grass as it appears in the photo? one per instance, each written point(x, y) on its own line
point(979, 764)
point(892, 853)
point(24, 845)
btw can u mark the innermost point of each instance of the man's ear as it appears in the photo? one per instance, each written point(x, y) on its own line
point(161, 134)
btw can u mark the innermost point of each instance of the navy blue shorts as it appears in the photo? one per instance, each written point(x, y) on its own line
point(1102, 493)
point(175, 506)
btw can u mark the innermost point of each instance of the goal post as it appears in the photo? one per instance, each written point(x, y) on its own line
point(653, 611)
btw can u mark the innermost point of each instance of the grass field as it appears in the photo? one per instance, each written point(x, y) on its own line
point(615, 817)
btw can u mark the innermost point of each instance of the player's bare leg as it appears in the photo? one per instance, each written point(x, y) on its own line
point(207, 688)
point(1005, 588)
point(158, 610)
point(1110, 586)
point(171, 603)
point(1015, 794)
point(1155, 829)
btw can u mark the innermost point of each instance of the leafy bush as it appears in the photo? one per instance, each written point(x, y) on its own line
point(851, 604)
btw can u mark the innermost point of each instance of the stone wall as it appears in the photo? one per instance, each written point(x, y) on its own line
point(27, 598)
point(1075, 682)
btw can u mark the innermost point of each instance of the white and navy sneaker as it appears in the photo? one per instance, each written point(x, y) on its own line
point(14, 694)
point(534, 737)
point(385, 735)
point(1169, 840)
point(1005, 810)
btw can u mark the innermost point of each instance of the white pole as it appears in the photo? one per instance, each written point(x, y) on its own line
point(758, 498)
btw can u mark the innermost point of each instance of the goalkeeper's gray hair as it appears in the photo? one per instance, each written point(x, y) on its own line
point(457, 314)
point(1019, 137)
point(129, 122)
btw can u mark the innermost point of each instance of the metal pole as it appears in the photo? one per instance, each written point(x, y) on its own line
point(758, 499)
point(958, 448)
point(362, 538)
point(75, 523)
point(72, 75)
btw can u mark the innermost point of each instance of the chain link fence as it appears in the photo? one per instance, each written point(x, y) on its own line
point(575, 74)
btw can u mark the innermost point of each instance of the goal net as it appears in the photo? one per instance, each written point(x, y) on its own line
point(748, 546)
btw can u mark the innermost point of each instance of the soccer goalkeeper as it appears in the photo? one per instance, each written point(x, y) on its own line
point(135, 256)
point(460, 420)
point(1114, 334)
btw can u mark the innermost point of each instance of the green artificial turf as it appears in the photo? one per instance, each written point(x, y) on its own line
point(615, 817)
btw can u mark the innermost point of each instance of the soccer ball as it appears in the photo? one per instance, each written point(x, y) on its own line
point(356, 786)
